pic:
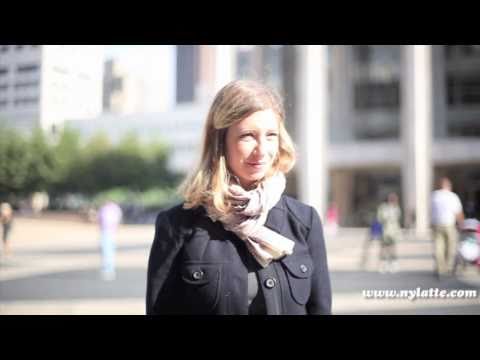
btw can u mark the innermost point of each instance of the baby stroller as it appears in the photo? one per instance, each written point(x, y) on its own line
point(468, 251)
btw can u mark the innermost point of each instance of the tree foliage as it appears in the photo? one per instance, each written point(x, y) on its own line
point(66, 165)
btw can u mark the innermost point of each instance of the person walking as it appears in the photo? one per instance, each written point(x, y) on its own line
point(447, 212)
point(109, 217)
point(6, 219)
point(389, 215)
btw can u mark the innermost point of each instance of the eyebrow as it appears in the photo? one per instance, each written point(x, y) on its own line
point(256, 130)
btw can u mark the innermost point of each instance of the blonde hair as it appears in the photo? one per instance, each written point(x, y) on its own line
point(208, 183)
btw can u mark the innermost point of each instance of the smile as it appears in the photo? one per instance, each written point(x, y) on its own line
point(257, 164)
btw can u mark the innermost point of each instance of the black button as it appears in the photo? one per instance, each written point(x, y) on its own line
point(197, 275)
point(303, 268)
point(270, 283)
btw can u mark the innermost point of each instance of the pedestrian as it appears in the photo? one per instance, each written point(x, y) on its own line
point(6, 218)
point(447, 211)
point(469, 246)
point(389, 215)
point(332, 219)
point(39, 202)
point(470, 209)
point(109, 217)
point(374, 233)
point(237, 244)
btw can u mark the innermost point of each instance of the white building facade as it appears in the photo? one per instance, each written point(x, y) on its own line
point(179, 129)
point(370, 119)
point(44, 85)
point(141, 82)
point(366, 119)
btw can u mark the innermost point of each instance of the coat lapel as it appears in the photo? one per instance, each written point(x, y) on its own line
point(276, 219)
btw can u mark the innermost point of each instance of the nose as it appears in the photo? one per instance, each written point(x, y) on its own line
point(261, 148)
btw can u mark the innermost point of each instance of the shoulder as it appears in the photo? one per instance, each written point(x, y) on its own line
point(302, 212)
point(454, 195)
point(175, 218)
point(451, 196)
point(456, 198)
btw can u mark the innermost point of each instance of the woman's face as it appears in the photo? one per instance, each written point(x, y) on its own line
point(252, 146)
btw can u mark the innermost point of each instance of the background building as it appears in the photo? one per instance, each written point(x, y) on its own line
point(179, 128)
point(366, 119)
point(142, 82)
point(371, 119)
point(43, 85)
point(401, 117)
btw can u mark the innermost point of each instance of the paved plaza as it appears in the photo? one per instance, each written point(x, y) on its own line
point(54, 269)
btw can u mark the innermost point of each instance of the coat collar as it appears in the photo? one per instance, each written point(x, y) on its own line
point(276, 217)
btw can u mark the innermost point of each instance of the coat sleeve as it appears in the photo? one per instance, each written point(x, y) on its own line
point(163, 271)
point(320, 301)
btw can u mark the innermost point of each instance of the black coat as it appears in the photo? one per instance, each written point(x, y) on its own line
point(197, 267)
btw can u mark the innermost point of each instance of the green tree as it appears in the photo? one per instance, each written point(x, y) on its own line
point(68, 155)
point(158, 173)
point(15, 160)
point(43, 165)
point(84, 177)
point(35, 163)
point(133, 155)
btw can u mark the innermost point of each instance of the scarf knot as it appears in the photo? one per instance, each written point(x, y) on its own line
point(248, 216)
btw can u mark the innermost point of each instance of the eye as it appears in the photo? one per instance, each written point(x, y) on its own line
point(246, 136)
point(272, 134)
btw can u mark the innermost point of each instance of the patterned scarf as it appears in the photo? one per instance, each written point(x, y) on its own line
point(250, 210)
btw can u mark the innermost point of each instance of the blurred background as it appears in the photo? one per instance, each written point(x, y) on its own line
point(82, 124)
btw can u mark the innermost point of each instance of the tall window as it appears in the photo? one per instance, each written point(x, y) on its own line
point(371, 187)
point(272, 65)
point(27, 68)
point(246, 68)
point(462, 77)
point(263, 63)
point(187, 62)
point(376, 91)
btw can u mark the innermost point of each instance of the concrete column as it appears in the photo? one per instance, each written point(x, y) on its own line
point(289, 78)
point(439, 94)
point(206, 73)
point(312, 118)
point(342, 194)
point(417, 134)
point(225, 65)
point(342, 129)
point(259, 62)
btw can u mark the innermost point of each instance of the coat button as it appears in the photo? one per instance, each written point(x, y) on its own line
point(270, 283)
point(303, 268)
point(197, 275)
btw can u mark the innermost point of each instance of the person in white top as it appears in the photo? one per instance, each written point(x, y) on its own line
point(109, 217)
point(446, 211)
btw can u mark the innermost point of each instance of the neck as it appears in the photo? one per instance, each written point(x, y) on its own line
point(248, 186)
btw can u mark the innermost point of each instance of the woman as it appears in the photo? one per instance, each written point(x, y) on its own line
point(6, 219)
point(237, 245)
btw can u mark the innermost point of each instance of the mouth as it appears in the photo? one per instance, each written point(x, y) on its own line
point(257, 165)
